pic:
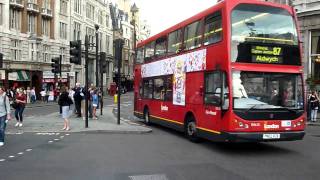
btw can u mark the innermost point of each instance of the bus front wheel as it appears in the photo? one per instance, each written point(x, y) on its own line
point(191, 129)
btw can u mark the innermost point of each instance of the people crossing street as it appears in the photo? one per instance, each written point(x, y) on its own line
point(4, 114)
point(20, 105)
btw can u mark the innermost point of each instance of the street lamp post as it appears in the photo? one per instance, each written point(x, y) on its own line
point(97, 58)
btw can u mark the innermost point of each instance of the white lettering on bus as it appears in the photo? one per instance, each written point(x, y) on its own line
point(272, 126)
point(164, 108)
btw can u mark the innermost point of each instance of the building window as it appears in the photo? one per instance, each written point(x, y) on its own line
point(107, 20)
point(76, 31)
point(63, 55)
point(46, 53)
point(1, 14)
point(108, 44)
point(64, 7)
point(91, 35)
point(63, 30)
point(15, 49)
point(34, 53)
point(100, 17)
point(32, 22)
point(45, 27)
point(90, 11)
point(46, 4)
point(77, 6)
point(315, 54)
point(15, 19)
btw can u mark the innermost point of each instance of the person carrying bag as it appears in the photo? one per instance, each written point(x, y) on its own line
point(5, 115)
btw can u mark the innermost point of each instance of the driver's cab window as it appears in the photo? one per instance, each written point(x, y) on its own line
point(213, 86)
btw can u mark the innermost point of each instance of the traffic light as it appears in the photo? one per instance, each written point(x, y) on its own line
point(103, 62)
point(75, 52)
point(118, 45)
point(1, 60)
point(55, 65)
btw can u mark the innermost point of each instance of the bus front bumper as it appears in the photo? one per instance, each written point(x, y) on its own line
point(263, 136)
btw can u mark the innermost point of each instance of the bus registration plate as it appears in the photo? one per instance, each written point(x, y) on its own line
point(271, 136)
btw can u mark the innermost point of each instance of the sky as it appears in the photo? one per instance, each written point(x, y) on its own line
point(162, 14)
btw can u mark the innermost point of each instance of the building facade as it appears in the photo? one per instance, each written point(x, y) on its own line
point(86, 15)
point(32, 32)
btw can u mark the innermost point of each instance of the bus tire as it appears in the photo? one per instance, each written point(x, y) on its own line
point(191, 129)
point(146, 116)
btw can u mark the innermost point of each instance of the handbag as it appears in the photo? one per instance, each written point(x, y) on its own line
point(14, 105)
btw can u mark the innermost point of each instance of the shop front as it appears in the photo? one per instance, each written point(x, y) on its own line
point(19, 79)
point(49, 82)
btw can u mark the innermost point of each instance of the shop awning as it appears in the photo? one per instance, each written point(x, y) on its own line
point(19, 75)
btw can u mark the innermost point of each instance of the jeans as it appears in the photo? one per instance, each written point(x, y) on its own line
point(2, 127)
point(33, 98)
point(314, 113)
point(18, 113)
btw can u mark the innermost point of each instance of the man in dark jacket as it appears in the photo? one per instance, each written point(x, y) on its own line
point(78, 97)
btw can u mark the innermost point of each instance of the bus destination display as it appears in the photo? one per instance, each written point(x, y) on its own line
point(266, 54)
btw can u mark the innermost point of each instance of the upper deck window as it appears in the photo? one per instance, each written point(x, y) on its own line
point(174, 41)
point(161, 46)
point(149, 51)
point(264, 34)
point(192, 35)
point(213, 28)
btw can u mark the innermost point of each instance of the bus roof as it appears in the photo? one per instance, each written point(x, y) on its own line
point(208, 11)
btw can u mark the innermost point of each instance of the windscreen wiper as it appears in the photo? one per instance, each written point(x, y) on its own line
point(252, 107)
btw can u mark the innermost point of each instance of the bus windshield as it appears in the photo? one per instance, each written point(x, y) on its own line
point(258, 90)
point(262, 25)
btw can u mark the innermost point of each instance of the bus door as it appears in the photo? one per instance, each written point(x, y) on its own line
point(215, 98)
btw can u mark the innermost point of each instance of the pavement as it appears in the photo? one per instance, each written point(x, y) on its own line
point(53, 122)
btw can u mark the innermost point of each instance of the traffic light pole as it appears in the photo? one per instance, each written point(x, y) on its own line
point(60, 67)
point(97, 57)
point(118, 55)
point(101, 87)
point(87, 79)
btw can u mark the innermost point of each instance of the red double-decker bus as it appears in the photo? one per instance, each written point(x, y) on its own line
point(230, 73)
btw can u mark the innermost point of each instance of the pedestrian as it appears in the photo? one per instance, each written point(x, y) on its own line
point(28, 93)
point(309, 106)
point(314, 100)
point(43, 95)
point(4, 114)
point(33, 95)
point(78, 96)
point(95, 101)
point(21, 104)
point(65, 101)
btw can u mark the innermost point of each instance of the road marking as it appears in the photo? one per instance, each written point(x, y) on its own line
point(50, 141)
point(11, 156)
point(148, 177)
point(67, 134)
point(28, 150)
point(56, 139)
point(61, 137)
point(20, 153)
point(1, 160)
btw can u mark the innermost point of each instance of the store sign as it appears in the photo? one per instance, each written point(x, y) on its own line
point(2, 74)
point(266, 54)
point(13, 76)
point(49, 74)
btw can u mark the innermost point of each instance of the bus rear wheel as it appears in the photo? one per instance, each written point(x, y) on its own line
point(146, 117)
point(191, 130)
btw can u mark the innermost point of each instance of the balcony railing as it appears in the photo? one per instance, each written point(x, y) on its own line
point(33, 7)
point(17, 3)
point(46, 12)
